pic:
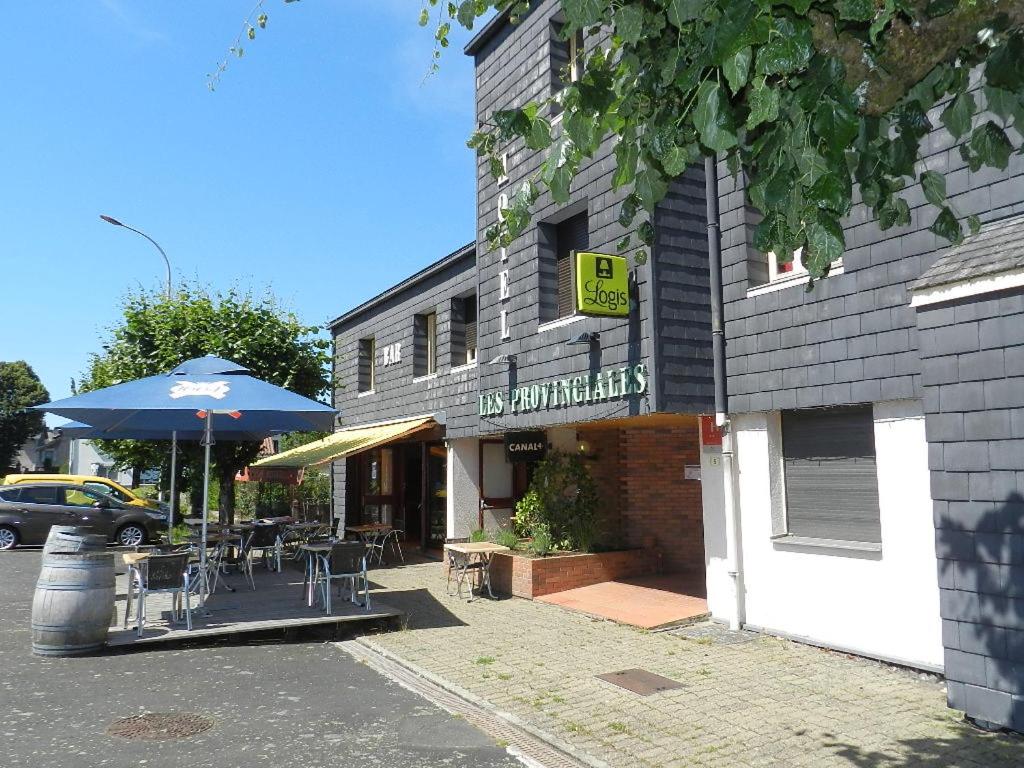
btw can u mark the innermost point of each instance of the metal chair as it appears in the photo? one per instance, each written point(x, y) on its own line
point(240, 558)
point(264, 538)
point(166, 574)
point(345, 562)
point(391, 537)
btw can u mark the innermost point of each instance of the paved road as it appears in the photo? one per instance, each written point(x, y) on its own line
point(302, 704)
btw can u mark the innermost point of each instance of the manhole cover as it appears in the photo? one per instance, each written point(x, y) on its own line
point(640, 681)
point(157, 726)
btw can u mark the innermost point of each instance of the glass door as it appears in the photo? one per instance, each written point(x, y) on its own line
point(437, 494)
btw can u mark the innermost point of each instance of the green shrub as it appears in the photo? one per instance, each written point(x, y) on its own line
point(478, 535)
point(541, 542)
point(507, 538)
point(561, 501)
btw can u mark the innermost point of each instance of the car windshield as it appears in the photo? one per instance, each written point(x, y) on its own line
point(108, 491)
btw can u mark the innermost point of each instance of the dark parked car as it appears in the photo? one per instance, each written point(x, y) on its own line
point(28, 510)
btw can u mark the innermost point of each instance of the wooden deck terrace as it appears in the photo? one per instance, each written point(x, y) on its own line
point(278, 603)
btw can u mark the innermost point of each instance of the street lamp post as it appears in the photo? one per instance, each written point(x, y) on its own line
point(116, 223)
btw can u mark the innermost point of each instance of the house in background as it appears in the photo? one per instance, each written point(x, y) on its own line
point(51, 451)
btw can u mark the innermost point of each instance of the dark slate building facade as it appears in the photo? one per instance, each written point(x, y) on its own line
point(533, 340)
point(411, 351)
point(876, 436)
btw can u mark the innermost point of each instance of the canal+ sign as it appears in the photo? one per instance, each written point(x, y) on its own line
point(602, 285)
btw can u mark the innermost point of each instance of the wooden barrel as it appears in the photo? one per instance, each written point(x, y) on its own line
point(73, 603)
point(68, 539)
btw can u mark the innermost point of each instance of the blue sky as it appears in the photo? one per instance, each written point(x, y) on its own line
point(323, 166)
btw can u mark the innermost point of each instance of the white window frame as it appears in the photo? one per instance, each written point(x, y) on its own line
point(430, 321)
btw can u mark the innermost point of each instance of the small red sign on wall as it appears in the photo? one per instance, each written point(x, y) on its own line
point(710, 434)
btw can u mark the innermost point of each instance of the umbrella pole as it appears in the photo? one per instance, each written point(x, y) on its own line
point(207, 440)
point(174, 477)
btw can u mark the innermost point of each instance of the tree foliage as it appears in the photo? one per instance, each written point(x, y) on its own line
point(561, 505)
point(157, 333)
point(20, 389)
point(810, 98)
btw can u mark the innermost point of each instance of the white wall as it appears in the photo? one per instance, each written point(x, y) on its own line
point(716, 562)
point(463, 493)
point(884, 605)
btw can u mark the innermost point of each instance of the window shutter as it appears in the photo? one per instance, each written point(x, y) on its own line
point(572, 235)
point(830, 472)
point(469, 310)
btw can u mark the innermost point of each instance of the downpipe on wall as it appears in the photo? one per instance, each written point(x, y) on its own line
point(730, 498)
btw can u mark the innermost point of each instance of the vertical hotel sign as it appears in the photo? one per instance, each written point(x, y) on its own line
point(602, 285)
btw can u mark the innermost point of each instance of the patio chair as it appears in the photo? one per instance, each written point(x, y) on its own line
point(391, 537)
point(234, 555)
point(266, 538)
point(345, 562)
point(166, 574)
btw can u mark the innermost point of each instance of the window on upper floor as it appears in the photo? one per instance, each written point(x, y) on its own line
point(829, 474)
point(469, 320)
point(367, 362)
point(768, 270)
point(566, 56)
point(463, 330)
point(425, 346)
point(556, 244)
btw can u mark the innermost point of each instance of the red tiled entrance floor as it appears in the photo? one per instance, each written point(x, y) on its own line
point(646, 601)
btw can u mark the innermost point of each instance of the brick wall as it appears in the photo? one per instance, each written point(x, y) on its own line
point(531, 577)
point(972, 357)
point(657, 502)
point(645, 500)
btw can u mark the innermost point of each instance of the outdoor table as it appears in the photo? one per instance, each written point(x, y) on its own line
point(219, 543)
point(302, 532)
point(461, 559)
point(314, 552)
point(372, 535)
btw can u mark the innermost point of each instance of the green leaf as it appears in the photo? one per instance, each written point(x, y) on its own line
point(934, 186)
point(895, 211)
point(675, 160)
point(957, 116)
point(990, 145)
point(836, 124)
point(681, 12)
point(629, 209)
point(626, 156)
point(650, 188)
point(788, 49)
point(1005, 104)
point(584, 13)
point(737, 68)
point(764, 104)
point(937, 8)
point(882, 20)
point(539, 136)
point(856, 10)
point(946, 226)
point(629, 23)
point(712, 118)
point(467, 13)
point(559, 184)
point(1005, 65)
point(830, 192)
point(825, 241)
point(974, 223)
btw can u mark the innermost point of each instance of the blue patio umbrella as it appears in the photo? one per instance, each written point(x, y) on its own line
point(207, 394)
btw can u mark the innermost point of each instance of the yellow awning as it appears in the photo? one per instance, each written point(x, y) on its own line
point(346, 442)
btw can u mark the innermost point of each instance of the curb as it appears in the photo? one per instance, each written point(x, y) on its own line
point(552, 741)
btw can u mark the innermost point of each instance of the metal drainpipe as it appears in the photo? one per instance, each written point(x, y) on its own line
point(734, 552)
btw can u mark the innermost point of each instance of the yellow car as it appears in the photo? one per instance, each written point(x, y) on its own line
point(102, 484)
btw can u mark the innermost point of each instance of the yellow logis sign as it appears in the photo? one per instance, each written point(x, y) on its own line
point(602, 285)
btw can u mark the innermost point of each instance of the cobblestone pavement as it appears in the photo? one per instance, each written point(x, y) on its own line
point(764, 702)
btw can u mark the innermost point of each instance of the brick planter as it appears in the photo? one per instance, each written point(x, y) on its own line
point(521, 576)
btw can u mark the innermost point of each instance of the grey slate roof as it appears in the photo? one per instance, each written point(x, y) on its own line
point(997, 248)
